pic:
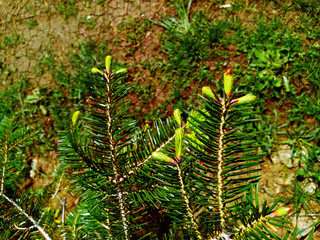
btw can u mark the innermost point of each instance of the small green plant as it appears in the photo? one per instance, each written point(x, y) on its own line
point(272, 50)
point(133, 30)
point(31, 23)
point(13, 39)
point(66, 7)
point(189, 39)
point(269, 62)
point(307, 178)
point(89, 21)
point(46, 60)
point(11, 98)
point(310, 7)
point(33, 102)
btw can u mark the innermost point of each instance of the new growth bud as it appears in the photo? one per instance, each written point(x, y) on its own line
point(161, 156)
point(228, 82)
point(179, 142)
point(177, 116)
point(246, 99)
point(122, 70)
point(95, 70)
point(208, 92)
point(280, 212)
point(108, 63)
point(146, 127)
point(75, 117)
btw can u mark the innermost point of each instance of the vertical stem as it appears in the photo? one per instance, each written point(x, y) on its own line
point(114, 165)
point(220, 166)
point(186, 200)
point(5, 154)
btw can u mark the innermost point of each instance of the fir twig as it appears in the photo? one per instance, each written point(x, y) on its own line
point(12, 138)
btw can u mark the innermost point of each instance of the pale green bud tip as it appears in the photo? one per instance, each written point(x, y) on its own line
point(108, 62)
point(56, 214)
point(179, 141)
point(177, 116)
point(280, 212)
point(228, 82)
point(122, 70)
point(95, 70)
point(161, 156)
point(75, 117)
point(146, 127)
point(247, 98)
point(208, 92)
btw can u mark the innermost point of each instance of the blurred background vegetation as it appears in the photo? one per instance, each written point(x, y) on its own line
point(171, 49)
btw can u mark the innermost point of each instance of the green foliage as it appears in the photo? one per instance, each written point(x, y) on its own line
point(311, 170)
point(66, 7)
point(270, 61)
point(272, 49)
point(307, 179)
point(11, 137)
point(89, 21)
point(102, 175)
point(310, 7)
point(12, 40)
point(32, 23)
point(84, 56)
point(18, 212)
point(11, 98)
point(187, 39)
point(200, 174)
point(134, 30)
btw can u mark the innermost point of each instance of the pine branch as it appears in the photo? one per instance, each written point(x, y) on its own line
point(4, 162)
point(12, 137)
point(114, 162)
point(250, 221)
point(160, 139)
point(102, 149)
point(216, 156)
point(31, 219)
point(190, 214)
point(197, 173)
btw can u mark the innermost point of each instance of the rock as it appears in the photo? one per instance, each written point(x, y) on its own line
point(285, 180)
point(310, 187)
point(303, 222)
point(284, 156)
